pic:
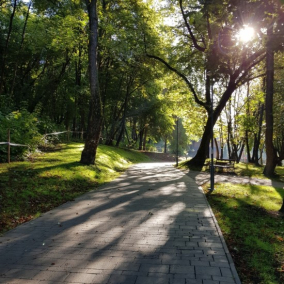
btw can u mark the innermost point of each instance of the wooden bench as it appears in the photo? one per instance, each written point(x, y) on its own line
point(221, 165)
point(224, 164)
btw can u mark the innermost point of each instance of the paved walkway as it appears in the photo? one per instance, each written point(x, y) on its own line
point(151, 225)
point(204, 177)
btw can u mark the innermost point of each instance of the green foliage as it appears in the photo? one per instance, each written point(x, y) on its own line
point(182, 140)
point(23, 130)
point(53, 178)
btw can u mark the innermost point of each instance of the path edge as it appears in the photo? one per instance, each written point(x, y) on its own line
point(229, 257)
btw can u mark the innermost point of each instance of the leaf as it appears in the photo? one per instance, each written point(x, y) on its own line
point(280, 239)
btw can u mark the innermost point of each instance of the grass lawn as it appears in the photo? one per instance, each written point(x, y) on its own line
point(252, 228)
point(50, 179)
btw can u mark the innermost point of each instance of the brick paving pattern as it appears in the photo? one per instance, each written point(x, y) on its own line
point(152, 225)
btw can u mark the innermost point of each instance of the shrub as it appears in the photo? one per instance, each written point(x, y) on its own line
point(23, 130)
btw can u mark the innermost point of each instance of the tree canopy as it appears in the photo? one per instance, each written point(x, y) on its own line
point(155, 61)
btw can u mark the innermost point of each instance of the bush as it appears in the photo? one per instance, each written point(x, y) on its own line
point(23, 130)
point(46, 126)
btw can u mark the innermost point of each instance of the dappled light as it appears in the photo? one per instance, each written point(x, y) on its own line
point(54, 178)
point(126, 232)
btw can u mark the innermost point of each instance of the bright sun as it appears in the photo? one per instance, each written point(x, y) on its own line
point(246, 34)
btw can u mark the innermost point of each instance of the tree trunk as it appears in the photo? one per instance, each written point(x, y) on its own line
point(217, 149)
point(229, 132)
point(4, 54)
point(258, 136)
point(221, 140)
point(249, 159)
point(282, 208)
point(141, 134)
point(165, 145)
point(271, 158)
point(95, 113)
point(241, 152)
point(120, 133)
point(123, 122)
point(21, 47)
point(202, 152)
point(145, 138)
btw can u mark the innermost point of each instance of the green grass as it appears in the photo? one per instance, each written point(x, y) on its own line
point(253, 229)
point(50, 179)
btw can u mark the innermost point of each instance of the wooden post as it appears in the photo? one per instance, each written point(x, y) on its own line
point(45, 139)
point(9, 147)
point(68, 134)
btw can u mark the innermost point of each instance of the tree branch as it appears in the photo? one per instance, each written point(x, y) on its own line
point(181, 76)
point(198, 47)
point(249, 63)
point(254, 63)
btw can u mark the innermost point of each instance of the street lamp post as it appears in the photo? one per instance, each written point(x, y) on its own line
point(177, 144)
point(212, 141)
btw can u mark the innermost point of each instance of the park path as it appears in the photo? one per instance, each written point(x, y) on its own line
point(204, 177)
point(151, 225)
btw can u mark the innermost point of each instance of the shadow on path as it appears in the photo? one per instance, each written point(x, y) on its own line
point(204, 177)
point(151, 225)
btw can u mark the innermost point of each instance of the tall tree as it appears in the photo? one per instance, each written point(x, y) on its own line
point(273, 44)
point(208, 31)
point(95, 112)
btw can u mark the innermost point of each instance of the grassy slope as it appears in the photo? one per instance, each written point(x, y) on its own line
point(30, 188)
point(253, 229)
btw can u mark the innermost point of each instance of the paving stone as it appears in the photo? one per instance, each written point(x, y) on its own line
point(130, 266)
point(153, 280)
point(162, 268)
point(185, 269)
point(122, 279)
point(224, 279)
point(137, 273)
point(193, 281)
point(210, 282)
point(19, 273)
point(220, 263)
point(208, 270)
point(178, 281)
point(199, 263)
point(51, 276)
point(85, 278)
point(24, 281)
point(226, 272)
point(203, 277)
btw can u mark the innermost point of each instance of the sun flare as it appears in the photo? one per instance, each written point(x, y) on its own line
point(246, 34)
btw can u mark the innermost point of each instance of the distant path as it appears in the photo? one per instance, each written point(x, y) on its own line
point(152, 225)
point(160, 157)
point(203, 177)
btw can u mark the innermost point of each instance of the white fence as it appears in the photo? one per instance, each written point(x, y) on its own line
point(9, 143)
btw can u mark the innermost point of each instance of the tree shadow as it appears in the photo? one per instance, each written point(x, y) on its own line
point(149, 226)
